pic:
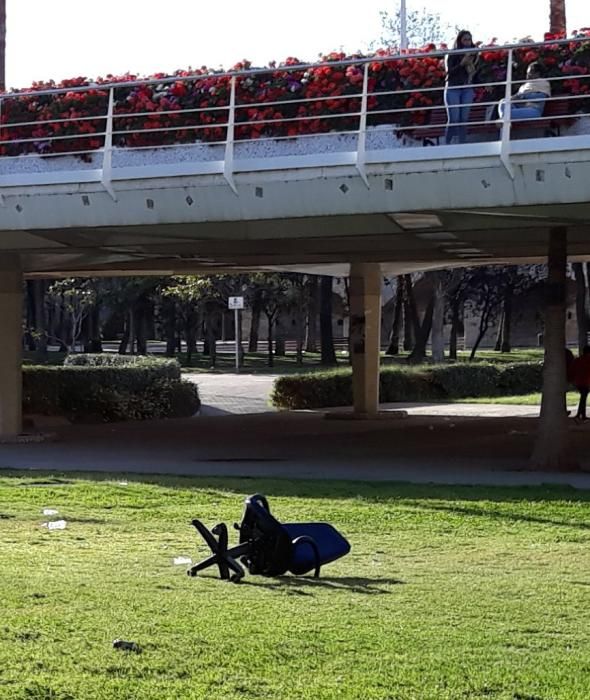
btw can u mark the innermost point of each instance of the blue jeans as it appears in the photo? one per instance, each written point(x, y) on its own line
point(458, 101)
point(521, 109)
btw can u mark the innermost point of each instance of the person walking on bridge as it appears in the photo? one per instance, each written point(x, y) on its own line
point(459, 93)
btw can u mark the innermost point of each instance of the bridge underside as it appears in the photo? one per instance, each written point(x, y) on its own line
point(446, 209)
point(401, 242)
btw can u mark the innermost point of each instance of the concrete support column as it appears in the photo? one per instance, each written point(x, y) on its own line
point(365, 336)
point(11, 315)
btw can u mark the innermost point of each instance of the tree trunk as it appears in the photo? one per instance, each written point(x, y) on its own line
point(86, 333)
point(507, 321)
point(557, 23)
point(124, 344)
point(254, 324)
point(438, 321)
point(140, 323)
point(211, 339)
point(270, 359)
point(169, 313)
point(498, 345)
point(455, 328)
point(300, 336)
point(191, 344)
point(57, 327)
point(581, 307)
point(2, 45)
point(393, 347)
point(36, 319)
point(552, 451)
point(95, 335)
point(418, 354)
point(326, 334)
point(311, 340)
point(280, 337)
point(484, 324)
point(30, 316)
point(412, 306)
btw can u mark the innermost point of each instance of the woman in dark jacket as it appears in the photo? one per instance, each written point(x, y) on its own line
point(459, 93)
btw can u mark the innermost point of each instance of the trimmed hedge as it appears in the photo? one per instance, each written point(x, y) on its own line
point(107, 389)
point(165, 368)
point(405, 383)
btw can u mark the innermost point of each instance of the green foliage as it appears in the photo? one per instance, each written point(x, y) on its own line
point(313, 390)
point(399, 383)
point(164, 367)
point(461, 380)
point(182, 399)
point(117, 389)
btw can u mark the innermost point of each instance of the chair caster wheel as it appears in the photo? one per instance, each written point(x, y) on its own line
point(191, 573)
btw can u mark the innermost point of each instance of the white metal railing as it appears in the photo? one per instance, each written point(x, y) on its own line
point(415, 114)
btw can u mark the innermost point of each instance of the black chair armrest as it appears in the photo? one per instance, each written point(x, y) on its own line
point(305, 539)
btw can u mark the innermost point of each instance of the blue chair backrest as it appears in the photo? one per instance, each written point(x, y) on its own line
point(280, 547)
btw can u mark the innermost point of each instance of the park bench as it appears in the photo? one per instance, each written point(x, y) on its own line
point(481, 123)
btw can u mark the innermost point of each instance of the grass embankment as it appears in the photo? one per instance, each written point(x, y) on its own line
point(448, 593)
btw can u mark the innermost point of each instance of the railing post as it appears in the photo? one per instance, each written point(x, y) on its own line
point(506, 119)
point(107, 153)
point(361, 143)
point(228, 163)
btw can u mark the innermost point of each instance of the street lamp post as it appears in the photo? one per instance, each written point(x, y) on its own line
point(403, 25)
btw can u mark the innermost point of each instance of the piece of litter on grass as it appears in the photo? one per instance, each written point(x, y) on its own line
point(178, 561)
point(49, 511)
point(126, 646)
point(56, 525)
point(122, 483)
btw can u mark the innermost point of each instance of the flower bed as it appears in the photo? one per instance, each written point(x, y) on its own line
point(285, 101)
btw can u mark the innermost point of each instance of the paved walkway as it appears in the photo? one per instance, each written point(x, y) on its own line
point(304, 445)
point(239, 434)
point(223, 394)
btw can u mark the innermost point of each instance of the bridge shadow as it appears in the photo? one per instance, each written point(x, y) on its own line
point(368, 492)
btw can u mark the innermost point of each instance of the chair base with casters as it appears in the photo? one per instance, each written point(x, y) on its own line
point(268, 547)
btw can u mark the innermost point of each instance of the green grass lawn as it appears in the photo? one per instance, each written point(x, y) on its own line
point(257, 362)
point(449, 593)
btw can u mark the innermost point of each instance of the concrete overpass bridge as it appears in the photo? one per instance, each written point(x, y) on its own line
point(364, 200)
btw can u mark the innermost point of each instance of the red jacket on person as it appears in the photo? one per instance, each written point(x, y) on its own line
point(580, 371)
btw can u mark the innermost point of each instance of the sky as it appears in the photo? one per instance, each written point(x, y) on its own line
point(68, 38)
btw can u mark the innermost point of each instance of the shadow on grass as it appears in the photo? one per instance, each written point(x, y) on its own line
point(302, 585)
point(490, 513)
point(373, 493)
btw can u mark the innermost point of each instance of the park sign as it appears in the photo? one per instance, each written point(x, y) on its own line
point(235, 303)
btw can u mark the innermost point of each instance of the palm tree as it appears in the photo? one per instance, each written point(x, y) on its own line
point(557, 16)
point(2, 44)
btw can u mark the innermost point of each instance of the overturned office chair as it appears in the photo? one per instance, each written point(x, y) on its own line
point(268, 547)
